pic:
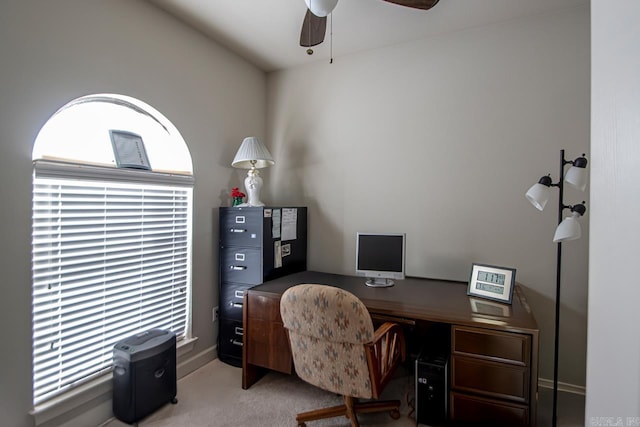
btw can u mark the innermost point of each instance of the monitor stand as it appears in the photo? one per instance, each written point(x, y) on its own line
point(379, 283)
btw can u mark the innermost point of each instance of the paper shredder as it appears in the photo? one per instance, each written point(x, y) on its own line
point(144, 374)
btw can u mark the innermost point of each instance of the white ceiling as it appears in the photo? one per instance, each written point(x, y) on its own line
point(267, 32)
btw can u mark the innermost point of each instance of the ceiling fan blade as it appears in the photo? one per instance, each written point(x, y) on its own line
point(313, 29)
point(416, 4)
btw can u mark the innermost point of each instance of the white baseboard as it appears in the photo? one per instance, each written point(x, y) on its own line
point(566, 387)
point(185, 367)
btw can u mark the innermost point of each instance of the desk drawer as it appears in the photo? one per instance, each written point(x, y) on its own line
point(490, 378)
point(474, 410)
point(492, 345)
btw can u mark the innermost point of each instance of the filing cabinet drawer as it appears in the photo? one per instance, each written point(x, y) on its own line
point(230, 339)
point(490, 378)
point(468, 410)
point(492, 345)
point(241, 265)
point(232, 300)
point(241, 227)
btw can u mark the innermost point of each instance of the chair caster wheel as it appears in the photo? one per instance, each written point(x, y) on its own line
point(174, 400)
point(395, 414)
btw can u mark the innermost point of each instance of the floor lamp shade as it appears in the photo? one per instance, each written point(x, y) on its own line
point(568, 229)
point(253, 155)
point(576, 177)
point(538, 194)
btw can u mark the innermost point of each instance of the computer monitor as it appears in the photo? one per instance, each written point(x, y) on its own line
point(380, 257)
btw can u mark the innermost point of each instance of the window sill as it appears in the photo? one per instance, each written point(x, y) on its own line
point(81, 395)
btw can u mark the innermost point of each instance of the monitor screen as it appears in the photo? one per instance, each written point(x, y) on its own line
point(380, 257)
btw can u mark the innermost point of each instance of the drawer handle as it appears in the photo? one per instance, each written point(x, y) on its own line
point(237, 267)
point(239, 330)
point(239, 294)
point(236, 342)
point(237, 230)
point(235, 304)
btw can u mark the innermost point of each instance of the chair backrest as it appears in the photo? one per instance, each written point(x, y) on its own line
point(327, 329)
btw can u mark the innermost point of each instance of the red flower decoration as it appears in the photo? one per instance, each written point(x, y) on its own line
point(237, 193)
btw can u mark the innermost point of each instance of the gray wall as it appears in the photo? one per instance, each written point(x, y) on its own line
point(53, 52)
point(440, 139)
point(613, 375)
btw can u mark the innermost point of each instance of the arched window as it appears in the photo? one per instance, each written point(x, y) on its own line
point(111, 236)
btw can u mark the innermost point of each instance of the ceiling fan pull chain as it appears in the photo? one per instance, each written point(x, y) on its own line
point(331, 40)
point(309, 20)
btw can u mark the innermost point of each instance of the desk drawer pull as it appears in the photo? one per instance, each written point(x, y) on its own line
point(237, 267)
point(239, 330)
point(238, 230)
point(236, 342)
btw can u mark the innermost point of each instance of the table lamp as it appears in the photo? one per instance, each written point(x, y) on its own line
point(254, 155)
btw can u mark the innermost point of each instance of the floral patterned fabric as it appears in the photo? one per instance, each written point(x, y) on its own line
point(327, 329)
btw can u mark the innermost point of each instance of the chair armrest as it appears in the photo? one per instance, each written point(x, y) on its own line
point(384, 354)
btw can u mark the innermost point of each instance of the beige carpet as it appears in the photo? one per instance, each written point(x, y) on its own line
point(213, 396)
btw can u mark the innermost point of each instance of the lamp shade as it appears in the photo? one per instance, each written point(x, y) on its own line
point(576, 177)
point(538, 195)
point(321, 8)
point(577, 174)
point(568, 229)
point(252, 153)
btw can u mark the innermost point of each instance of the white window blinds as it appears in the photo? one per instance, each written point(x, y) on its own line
point(110, 259)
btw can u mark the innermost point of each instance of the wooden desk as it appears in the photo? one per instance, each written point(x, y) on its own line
point(493, 347)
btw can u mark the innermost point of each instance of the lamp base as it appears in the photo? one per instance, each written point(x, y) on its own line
point(253, 185)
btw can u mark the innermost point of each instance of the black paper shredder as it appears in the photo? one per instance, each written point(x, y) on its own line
point(144, 374)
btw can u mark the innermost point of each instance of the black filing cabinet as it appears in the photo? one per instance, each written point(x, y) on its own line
point(256, 244)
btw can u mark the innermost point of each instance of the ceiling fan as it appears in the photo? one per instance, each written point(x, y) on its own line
point(314, 25)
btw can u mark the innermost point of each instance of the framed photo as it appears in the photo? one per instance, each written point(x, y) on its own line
point(129, 150)
point(492, 282)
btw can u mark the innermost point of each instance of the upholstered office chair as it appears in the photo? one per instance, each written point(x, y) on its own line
point(336, 348)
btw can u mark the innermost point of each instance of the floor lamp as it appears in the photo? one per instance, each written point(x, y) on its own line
point(568, 229)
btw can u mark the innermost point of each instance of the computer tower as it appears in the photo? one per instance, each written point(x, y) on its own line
point(432, 389)
point(144, 374)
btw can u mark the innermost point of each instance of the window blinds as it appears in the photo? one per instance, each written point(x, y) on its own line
point(110, 259)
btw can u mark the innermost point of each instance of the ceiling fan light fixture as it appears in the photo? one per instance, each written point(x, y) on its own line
point(321, 7)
